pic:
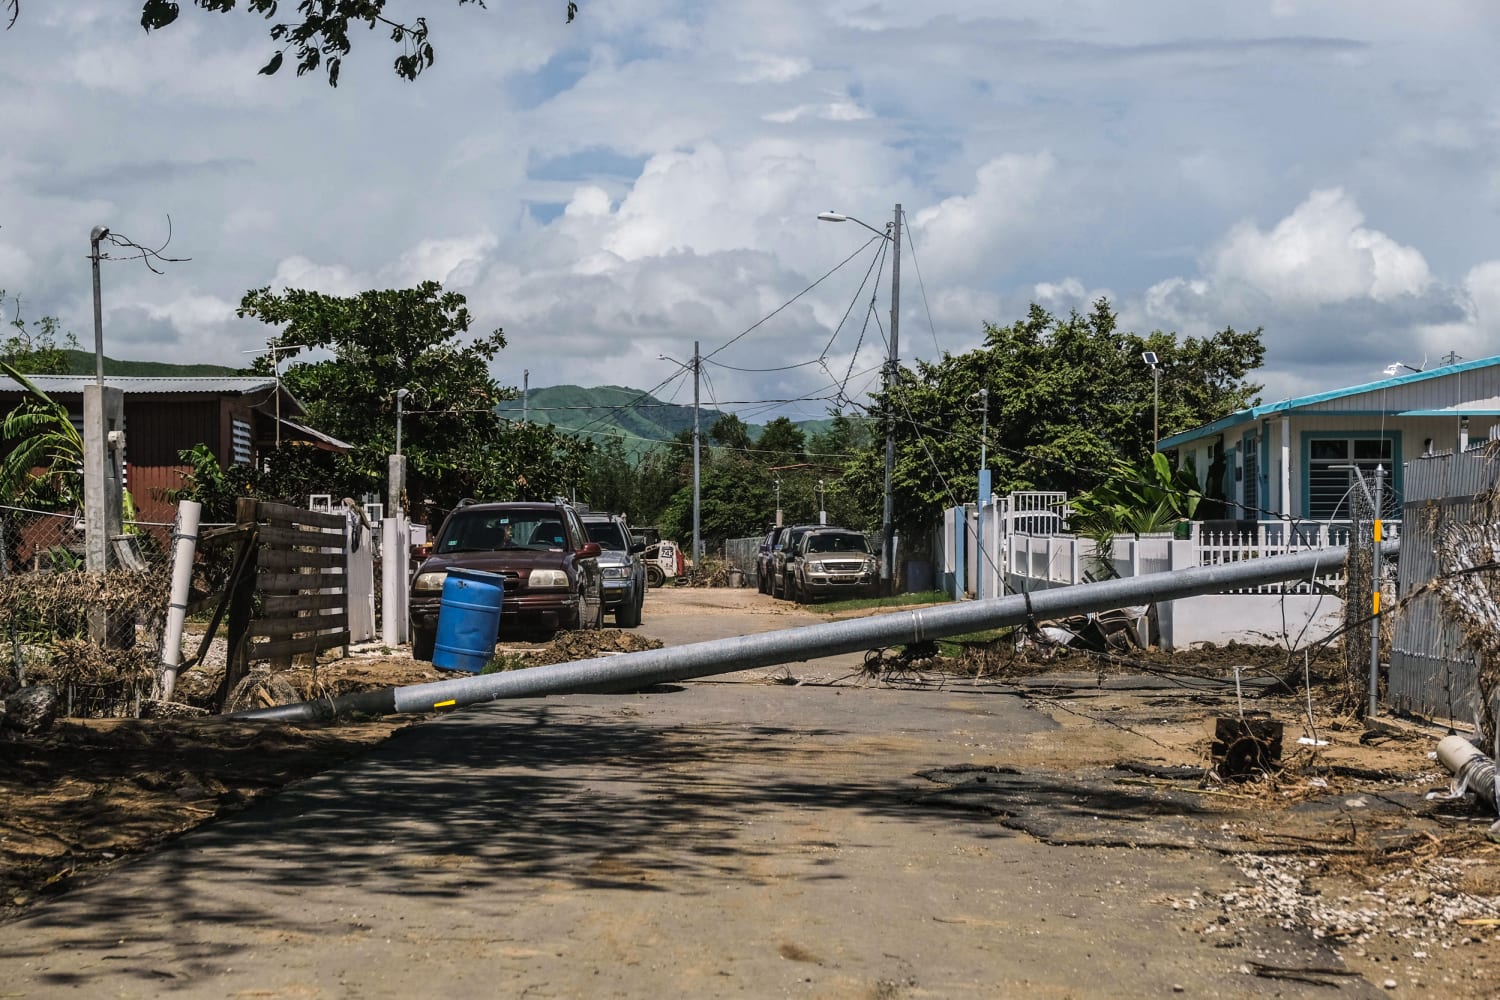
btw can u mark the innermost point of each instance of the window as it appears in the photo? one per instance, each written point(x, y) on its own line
point(240, 441)
point(1331, 478)
point(1250, 481)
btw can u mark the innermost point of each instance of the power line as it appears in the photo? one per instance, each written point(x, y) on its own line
point(791, 300)
point(922, 285)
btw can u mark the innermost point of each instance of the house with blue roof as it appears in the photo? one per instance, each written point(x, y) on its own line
point(1297, 458)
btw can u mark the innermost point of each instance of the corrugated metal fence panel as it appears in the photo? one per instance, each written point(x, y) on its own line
point(1432, 673)
point(739, 553)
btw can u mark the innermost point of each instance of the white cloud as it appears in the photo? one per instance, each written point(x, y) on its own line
point(763, 67)
point(834, 111)
point(978, 232)
point(1320, 253)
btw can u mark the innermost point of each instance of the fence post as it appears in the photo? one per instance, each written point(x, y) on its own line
point(241, 602)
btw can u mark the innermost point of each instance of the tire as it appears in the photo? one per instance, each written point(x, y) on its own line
point(798, 594)
point(654, 576)
point(423, 641)
point(628, 615)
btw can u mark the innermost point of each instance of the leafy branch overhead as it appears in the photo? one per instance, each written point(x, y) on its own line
point(321, 36)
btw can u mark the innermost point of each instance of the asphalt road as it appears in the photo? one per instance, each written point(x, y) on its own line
point(724, 838)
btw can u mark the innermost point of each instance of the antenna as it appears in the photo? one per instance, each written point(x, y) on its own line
point(276, 367)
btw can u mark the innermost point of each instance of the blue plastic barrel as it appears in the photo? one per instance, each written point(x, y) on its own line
point(469, 620)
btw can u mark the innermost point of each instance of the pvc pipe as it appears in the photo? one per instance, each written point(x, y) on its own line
point(630, 671)
point(392, 563)
point(1469, 765)
point(184, 546)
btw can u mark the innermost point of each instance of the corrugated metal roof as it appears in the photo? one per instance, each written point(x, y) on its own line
point(220, 384)
point(1397, 382)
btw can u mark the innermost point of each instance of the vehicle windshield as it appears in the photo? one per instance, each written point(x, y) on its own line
point(838, 543)
point(606, 533)
point(489, 532)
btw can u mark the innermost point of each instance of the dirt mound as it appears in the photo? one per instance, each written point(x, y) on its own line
point(569, 646)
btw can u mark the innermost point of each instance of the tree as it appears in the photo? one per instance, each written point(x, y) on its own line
point(782, 441)
point(34, 350)
point(321, 37)
point(386, 340)
point(729, 431)
point(1068, 398)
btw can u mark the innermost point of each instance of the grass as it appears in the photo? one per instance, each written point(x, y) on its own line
point(899, 600)
point(952, 647)
point(506, 662)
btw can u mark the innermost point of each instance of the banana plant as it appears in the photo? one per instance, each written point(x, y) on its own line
point(39, 435)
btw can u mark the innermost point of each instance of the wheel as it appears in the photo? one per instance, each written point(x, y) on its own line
point(422, 643)
point(628, 615)
point(798, 594)
point(654, 576)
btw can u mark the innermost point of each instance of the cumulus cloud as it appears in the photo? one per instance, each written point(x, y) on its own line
point(976, 232)
point(1320, 253)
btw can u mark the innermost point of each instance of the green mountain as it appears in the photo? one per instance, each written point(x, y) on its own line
point(82, 363)
point(603, 411)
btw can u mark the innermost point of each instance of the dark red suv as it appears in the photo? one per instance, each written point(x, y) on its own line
point(551, 569)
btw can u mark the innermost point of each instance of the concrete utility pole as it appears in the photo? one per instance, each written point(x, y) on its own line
point(697, 438)
point(892, 374)
point(103, 441)
point(633, 671)
point(525, 393)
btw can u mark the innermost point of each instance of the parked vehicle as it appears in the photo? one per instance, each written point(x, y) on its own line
point(550, 568)
point(833, 561)
point(763, 559)
point(783, 556)
point(620, 566)
point(663, 559)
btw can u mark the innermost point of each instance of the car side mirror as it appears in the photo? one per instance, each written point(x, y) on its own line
point(590, 550)
point(637, 548)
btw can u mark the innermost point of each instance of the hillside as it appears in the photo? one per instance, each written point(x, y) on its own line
point(82, 363)
point(603, 411)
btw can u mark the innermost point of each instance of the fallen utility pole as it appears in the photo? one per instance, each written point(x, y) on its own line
point(631, 671)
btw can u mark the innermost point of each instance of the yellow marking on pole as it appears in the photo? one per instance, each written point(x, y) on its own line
point(454, 701)
point(1377, 530)
point(1377, 602)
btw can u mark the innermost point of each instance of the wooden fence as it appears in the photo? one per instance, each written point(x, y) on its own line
point(294, 600)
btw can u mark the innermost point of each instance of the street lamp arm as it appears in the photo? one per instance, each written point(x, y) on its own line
point(840, 217)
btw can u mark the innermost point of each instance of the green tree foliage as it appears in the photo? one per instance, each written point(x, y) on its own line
point(32, 349)
point(1069, 397)
point(729, 431)
point(37, 435)
point(782, 442)
point(321, 36)
point(377, 342)
point(735, 498)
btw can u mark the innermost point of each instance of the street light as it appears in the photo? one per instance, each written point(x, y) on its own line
point(1150, 358)
point(892, 232)
point(400, 395)
point(983, 395)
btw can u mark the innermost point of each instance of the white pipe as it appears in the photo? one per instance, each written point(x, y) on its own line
point(184, 546)
point(1469, 765)
point(392, 563)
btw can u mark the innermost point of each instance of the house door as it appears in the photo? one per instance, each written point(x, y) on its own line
point(1250, 483)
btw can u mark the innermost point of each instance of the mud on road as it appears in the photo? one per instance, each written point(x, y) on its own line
point(1341, 846)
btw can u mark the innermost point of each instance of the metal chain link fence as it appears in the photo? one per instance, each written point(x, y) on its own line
point(94, 637)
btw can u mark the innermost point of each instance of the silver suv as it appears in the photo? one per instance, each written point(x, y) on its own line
point(620, 565)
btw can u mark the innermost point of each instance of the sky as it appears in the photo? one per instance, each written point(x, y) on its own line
point(611, 191)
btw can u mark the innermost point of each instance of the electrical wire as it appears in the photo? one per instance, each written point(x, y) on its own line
point(923, 286)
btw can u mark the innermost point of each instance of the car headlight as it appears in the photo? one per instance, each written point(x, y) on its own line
point(616, 572)
point(547, 578)
point(869, 566)
point(429, 581)
point(815, 567)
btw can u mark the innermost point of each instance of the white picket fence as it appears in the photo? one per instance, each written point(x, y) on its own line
point(1026, 547)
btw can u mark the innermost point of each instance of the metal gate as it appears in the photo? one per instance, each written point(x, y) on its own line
point(1432, 671)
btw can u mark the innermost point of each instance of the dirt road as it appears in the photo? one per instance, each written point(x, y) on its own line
point(738, 837)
